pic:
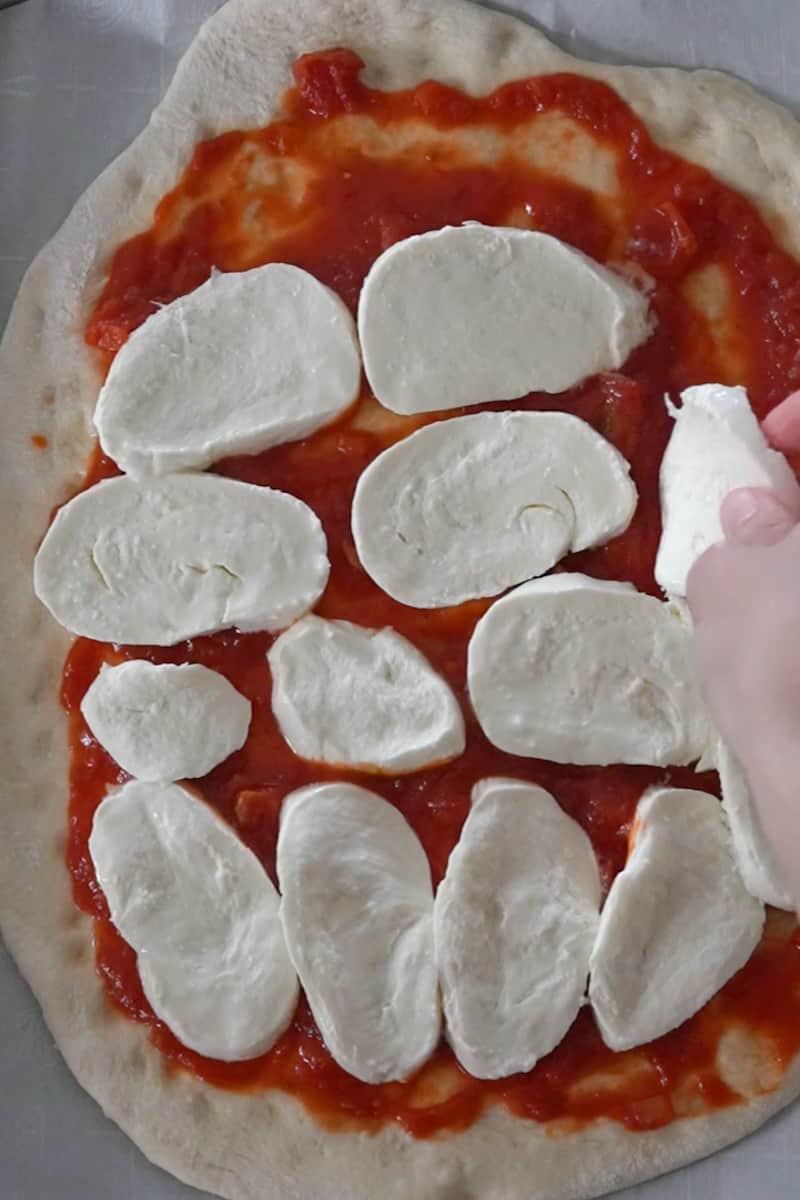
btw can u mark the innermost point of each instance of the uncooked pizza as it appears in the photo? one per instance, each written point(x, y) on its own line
point(364, 829)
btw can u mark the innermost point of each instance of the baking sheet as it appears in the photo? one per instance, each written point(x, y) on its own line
point(78, 79)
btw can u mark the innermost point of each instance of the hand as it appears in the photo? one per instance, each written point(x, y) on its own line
point(744, 595)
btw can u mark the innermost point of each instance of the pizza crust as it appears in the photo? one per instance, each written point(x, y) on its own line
point(244, 1146)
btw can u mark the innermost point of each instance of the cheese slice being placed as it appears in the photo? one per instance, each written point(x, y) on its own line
point(155, 563)
point(678, 921)
point(357, 911)
point(202, 915)
point(584, 671)
point(363, 698)
point(469, 314)
point(246, 361)
point(162, 723)
point(758, 864)
point(716, 446)
point(515, 920)
point(467, 507)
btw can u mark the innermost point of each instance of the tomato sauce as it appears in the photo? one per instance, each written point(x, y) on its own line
point(667, 218)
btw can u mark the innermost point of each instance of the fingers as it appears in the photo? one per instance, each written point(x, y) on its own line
point(756, 517)
point(782, 426)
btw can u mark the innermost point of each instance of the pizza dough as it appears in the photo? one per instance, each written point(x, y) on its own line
point(242, 1146)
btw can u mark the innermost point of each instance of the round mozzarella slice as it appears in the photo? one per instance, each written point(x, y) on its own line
point(758, 864)
point(357, 911)
point(677, 924)
point(360, 697)
point(467, 507)
point(584, 671)
point(178, 557)
point(200, 912)
point(162, 723)
point(716, 446)
point(515, 920)
point(242, 363)
point(466, 315)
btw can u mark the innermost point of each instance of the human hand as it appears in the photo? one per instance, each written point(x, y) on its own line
point(744, 595)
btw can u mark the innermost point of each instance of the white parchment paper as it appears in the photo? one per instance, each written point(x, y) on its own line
point(78, 79)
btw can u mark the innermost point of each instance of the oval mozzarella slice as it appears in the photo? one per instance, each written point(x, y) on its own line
point(757, 862)
point(166, 722)
point(515, 919)
point(716, 445)
point(466, 315)
point(357, 914)
point(677, 924)
point(200, 912)
point(467, 507)
point(360, 697)
point(246, 361)
point(583, 671)
point(179, 557)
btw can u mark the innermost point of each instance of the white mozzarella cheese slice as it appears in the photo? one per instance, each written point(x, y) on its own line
point(584, 671)
point(515, 920)
point(357, 912)
point(678, 921)
point(202, 915)
point(757, 861)
point(469, 314)
point(359, 697)
point(177, 557)
point(162, 723)
point(467, 507)
point(716, 446)
point(246, 361)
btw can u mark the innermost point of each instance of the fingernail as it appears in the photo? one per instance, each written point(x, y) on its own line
point(740, 506)
point(755, 516)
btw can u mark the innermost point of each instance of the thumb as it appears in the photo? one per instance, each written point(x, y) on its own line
point(756, 517)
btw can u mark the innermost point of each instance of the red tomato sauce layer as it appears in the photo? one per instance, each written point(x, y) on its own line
point(664, 216)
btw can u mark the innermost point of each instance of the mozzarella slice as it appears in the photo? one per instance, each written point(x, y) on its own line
point(677, 924)
point(515, 919)
point(716, 445)
point(466, 315)
point(179, 557)
point(583, 671)
point(757, 862)
point(200, 912)
point(360, 697)
point(165, 722)
point(357, 914)
point(246, 361)
point(467, 507)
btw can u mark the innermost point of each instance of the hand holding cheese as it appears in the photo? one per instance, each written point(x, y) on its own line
point(744, 594)
point(716, 445)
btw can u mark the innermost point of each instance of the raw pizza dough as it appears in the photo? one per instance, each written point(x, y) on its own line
point(250, 1147)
